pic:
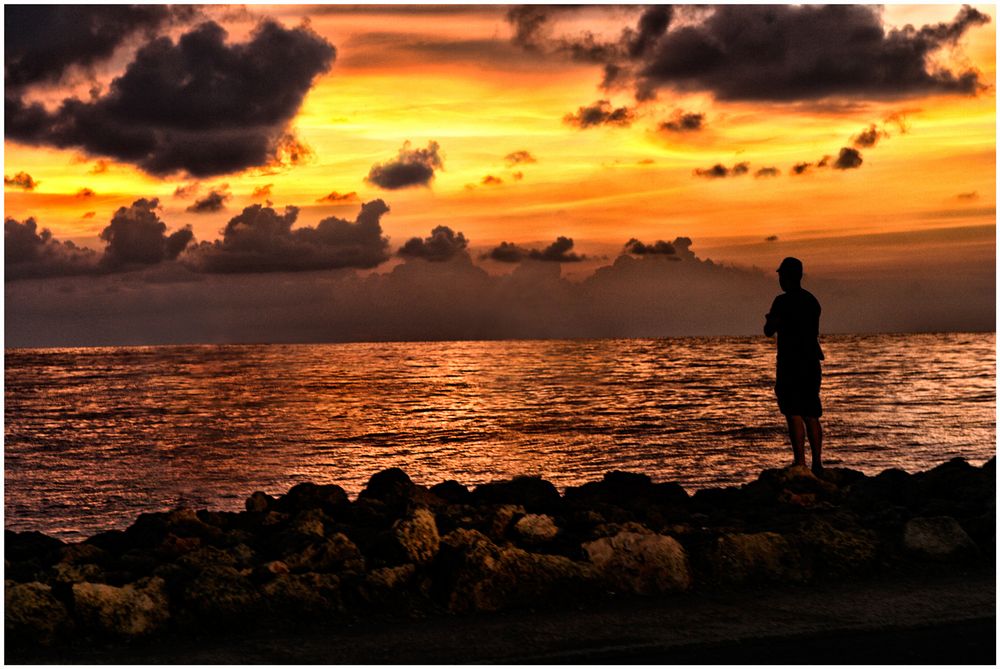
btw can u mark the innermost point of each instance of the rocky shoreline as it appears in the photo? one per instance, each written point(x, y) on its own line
point(402, 550)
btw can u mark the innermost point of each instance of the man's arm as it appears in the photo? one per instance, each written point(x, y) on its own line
point(772, 320)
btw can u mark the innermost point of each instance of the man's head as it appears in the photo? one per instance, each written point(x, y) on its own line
point(790, 273)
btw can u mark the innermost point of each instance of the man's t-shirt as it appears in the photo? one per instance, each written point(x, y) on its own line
point(797, 313)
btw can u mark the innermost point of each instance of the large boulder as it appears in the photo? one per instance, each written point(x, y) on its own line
point(760, 556)
point(297, 595)
point(535, 494)
point(129, 611)
point(219, 596)
point(474, 574)
point(892, 487)
point(32, 614)
point(956, 487)
point(534, 530)
point(833, 550)
point(640, 563)
point(334, 554)
point(330, 498)
point(938, 538)
point(416, 536)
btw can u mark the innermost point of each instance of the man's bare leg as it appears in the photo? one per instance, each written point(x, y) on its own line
point(797, 433)
point(815, 431)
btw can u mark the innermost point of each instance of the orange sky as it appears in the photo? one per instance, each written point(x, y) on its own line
point(393, 82)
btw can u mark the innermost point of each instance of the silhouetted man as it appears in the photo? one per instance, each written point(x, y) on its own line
point(794, 316)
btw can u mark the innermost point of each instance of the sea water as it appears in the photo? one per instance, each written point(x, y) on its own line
point(94, 436)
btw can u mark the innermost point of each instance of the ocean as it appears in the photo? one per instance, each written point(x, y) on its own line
point(94, 436)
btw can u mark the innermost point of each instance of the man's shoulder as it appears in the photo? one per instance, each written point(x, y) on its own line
point(809, 296)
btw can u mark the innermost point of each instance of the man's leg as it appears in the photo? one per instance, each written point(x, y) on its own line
point(815, 432)
point(797, 433)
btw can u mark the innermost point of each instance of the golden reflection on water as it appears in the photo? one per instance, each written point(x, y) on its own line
point(94, 436)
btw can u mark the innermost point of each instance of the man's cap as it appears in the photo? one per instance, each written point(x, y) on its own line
point(791, 266)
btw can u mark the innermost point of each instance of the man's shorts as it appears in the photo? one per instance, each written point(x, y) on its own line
point(797, 389)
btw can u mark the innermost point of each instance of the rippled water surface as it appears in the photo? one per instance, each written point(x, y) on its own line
point(95, 436)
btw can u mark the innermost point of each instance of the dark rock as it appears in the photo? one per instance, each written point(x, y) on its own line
point(474, 574)
point(417, 537)
point(535, 530)
point(535, 494)
point(968, 488)
point(452, 492)
point(670, 493)
point(65, 572)
point(32, 614)
point(333, 554)
point(174, 546)
point(796, 485)
point(749, 558)
point(640, 563)
point(219, 596)
point(842, 477)
point(717, 499)
point(298, 595)
point(938, 538)
point(890, 487)
point(129, 611)
point(836, 551)
point(206, 557)
point(330, 498)
point(114, 542)
point(24, 546)
point(259, 502)
point(387, 485)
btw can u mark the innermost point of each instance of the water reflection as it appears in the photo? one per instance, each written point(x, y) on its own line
point(94, 436)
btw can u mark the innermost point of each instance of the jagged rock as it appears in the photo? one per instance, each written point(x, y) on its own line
point(611, 529)
point(83, 553)
point(174, 546)
point(954, 487)
point(417, 536)
point(295, 595)
point(640, 563)
point(532, 492)
point(309, 523)
point(114, 542)
point(837, 551)
point(500, 519)
point(388, 483)
point(65, 572)
point(129, 611)
point(890, 487)
point(761, 556)
point(24, 546)
point(335, 553)
point(474, 574)
point(259, 502)
point(795, 485)
point(303, 496)
point(209, 556)
point(269, 570)
point(938, 538)
point(535, 529)
point(149, 529)
point(452, 492)
point(32, 614)
point(842, 477)
point(219, 595)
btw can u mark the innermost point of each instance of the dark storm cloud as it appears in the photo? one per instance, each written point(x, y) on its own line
point(766, 172)
point(42, 42)
point(490, 180)
point(800, 168)
point(868, 137)
point(199, 105)
point(770, 52)
point(600, 113)
point(720, 171)
point(20, 180)
point(558, 251)
point(521, 157)
point(29, 253)
point(137, 236)
point(261, 240)
point(213, 202)
point(659, 247)
point(412, 167)
point(335, 197)
point(443, 244)
point(684, 122)
point(848, 159)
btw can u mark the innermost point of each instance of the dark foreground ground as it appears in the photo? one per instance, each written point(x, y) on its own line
point(911, 619)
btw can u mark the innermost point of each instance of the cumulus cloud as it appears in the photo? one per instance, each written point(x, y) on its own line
point(20, 180)
point(848, 159)
point(868, 137)
point(600, 113)
point(800, 168)
point(558, 251)
point(137, 236)
point(100, 167)
point(261, 192)
point(682, 121)
point(211, 203)
point(720, 171)
point(517, 176)
point(411, 167)
point(521, 157)
point(186, 191)
point(658, 247)
point(29, 253)
point(260, 239)
point(89, 214)
point(199, 105)
point(766, 172)
point(443, 244)
point(490, 180)
point(335, 197)
point(768, 52)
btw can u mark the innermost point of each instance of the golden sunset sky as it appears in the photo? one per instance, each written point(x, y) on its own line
point(452, 75)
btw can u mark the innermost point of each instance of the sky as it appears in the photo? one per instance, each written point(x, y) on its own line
point(178, 174)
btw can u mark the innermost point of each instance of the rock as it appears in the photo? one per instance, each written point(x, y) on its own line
point(210, 556)
point(129, 611)
point(761, 556)
point(842, 477)
point(796, 484)
point(335, 553)
point(309, 523)
point(267, 571)
point(835, 551)
point(968, 489)
point(219, 596)
point(64, 572)
point(303, 496)
point(174, 546)
point(938, 538)
point(83, 553)
point(535, 529)
point(259, 502)
point(891, 487)
point(296, 595)
point(389, 587)
point(500, 519)
point(24, 546)
point(32, 614)
point(640, 563)
point(474, 574)
point(114, 542)
point(452, 492)
point(417, 536)
point(532, 492)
